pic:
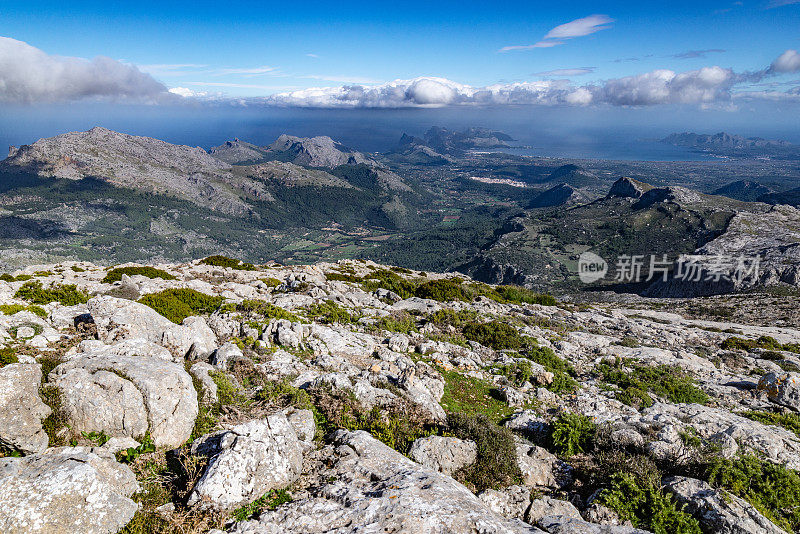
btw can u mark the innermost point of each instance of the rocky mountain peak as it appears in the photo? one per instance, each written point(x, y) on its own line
point(626, 187)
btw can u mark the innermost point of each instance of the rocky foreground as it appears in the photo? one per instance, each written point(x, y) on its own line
point(352, 397)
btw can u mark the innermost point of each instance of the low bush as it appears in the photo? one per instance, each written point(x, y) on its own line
point(8, 356)
point(571, 434)
point(330, 312)
point(763, 342)
point(561, 369)
point(115, 275)
point(403, 323)
point(471, 396)
point(647, 506)
point(261, 308)
point(443, 290)
point(495, 334)
point(67, 295)
point(230, 263)
point(11, 309)
point(522, 295)
point(55, 425)
point(178, 304)
point(772, 489)
point(448, 317)
point(669, 382)
point(496, 464)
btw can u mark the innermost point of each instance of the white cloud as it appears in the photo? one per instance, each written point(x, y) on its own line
point(560, 34)
point(694, 54)
point(780, 3)
point(185, 92)
point(580, 27)
point(247, 71)
point(789, 61)
point(566, 72)
point(703, 86)
point(29, 75)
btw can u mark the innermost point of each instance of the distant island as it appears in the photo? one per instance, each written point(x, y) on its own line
point(734, 146)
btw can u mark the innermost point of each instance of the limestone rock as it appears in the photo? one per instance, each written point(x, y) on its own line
point(65, 489)
point(541, 469)
point(247, 461)
point(372, 488)
point(444, 454)
point(21, 409)
point(782, 388)
point(165, 389)
point(548, 506)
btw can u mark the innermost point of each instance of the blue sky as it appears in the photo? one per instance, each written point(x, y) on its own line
point(254, 49)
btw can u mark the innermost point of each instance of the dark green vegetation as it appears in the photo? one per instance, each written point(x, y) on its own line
point(115, 275)
point(471, 396)
point(772, 489)
point(442, 290)
point(8, 356)
point(178, 304)
point(571, 434)
point(229, 263)
point(763, 342)
point(34, 292)
point(496, 334)
point(647, 506)
point(496, 464)
point(330, 312)
point(636, 382)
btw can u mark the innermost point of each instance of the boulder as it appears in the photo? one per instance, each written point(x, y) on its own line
point(21, 409)
point(541, 469)
point(208, 388)
point(511, 502)
point(372, 488)
point(226, 355)
point(782, 388)
point(548, 506)
point(66, 489)
point(564, 524)
point(165, 391)
point(718, 510)
point(247, 461)
point(443, 454)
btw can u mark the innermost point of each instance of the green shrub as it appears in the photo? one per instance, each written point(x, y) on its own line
point(268, 501)
point(629, 341)
point(517, 373)
point(271, 282)
point(448, 317)
point(8, 356)
point(228, 394)
point(115, 275)
point(385, 279)
point(283, 394)
point(669, 382)
point(495, 334)
point(443, 290)
point(178, 304)
point(5, 277)
point(34, 292)
point(77, 269)
point(561, 369)
point(789, 421)
point(496, 463)
point(261, 308)
point(522, 295)
point(772, 489)
point(97, 438)
point(230, 263)
point(571, 434)
point(763, 342)
point(647, 506)
point(331, 312)
point(402, 322)
point(469, 395)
